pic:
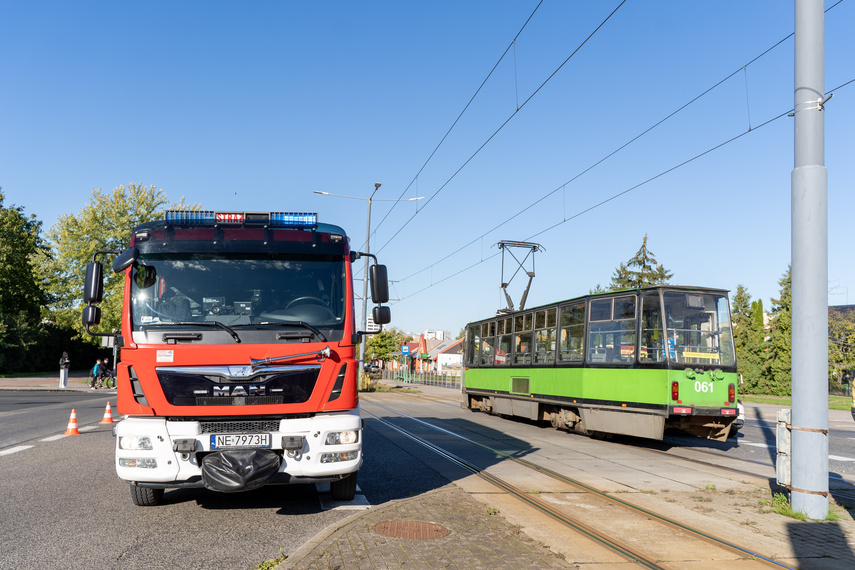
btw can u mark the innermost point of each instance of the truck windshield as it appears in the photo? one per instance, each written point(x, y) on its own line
point(698, 329)
point(238, 289)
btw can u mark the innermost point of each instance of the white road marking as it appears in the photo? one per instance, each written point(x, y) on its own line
point(834, 457)
point(54, 437)
point(15, 449)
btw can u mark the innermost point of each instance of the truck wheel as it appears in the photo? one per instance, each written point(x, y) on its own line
point(146, 497)
point(344, 489)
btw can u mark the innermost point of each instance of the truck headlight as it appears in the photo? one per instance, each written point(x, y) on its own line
point(336, 457)
point(132, 442)
point(342, 437)
point(141, 462)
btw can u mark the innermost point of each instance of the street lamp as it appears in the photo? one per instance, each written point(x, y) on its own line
point(367, 251)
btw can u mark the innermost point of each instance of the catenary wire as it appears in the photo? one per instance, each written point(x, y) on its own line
point(502, 126)
point(618, 149)
point(619, 194)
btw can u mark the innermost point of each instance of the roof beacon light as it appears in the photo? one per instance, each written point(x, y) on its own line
point(293, 220)
point(190, 217)
point(211, 218)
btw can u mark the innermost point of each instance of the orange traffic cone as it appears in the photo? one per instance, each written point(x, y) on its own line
point(72, 424)
point(108, 415)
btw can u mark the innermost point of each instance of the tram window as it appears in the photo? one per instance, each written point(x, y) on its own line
point(624, 307)
point(473, 344)
point(699, 330)
point(540, 320)
point(652, 340)
point(572, 332)
point(487, 348)
point(601, 310)
point(503, 350)
point(522, 348)
point(544, 346)
point(612, 340)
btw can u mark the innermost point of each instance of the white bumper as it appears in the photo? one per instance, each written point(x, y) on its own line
point(165, 462)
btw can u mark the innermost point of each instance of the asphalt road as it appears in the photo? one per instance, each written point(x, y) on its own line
point(63, 506)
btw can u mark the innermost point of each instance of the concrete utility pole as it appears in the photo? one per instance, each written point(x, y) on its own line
point(810, 269)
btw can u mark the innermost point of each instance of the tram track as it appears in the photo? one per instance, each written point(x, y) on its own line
point(622, 547)
point(650, 449)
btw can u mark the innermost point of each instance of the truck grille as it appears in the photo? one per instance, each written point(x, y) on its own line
point(238, 400)
point(189, 386)
point(240, 427)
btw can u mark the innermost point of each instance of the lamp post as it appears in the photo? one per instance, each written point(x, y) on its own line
point(367, 250)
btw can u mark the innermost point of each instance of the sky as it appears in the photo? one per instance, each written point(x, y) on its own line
point(254, 106)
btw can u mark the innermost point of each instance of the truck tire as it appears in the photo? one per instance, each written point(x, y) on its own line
point(146, 497)
point(344, 489)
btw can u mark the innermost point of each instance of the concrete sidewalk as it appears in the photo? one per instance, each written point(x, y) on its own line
point(77, 381)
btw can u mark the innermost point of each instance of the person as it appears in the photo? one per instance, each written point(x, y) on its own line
point(106, 373)
point(95, 375)
point(64, 364)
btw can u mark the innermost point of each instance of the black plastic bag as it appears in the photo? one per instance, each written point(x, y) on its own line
point(233, 470)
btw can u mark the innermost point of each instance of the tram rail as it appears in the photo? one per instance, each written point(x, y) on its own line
point(629, 552)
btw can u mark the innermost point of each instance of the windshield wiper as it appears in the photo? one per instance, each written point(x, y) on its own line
point(303, 324)
point(217, 324)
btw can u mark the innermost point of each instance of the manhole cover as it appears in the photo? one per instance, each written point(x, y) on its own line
point(412, 530)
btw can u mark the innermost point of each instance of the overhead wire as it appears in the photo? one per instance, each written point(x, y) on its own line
point(457, 120)
point(619, 194)
point(508, 120)
point(742, 69)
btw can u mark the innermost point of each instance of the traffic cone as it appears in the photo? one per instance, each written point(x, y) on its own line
point(108, 415)
point(72, 424)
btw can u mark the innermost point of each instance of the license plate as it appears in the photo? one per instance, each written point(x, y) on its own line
point(221, 441)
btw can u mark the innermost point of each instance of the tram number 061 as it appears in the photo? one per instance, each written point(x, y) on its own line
point(705, 387)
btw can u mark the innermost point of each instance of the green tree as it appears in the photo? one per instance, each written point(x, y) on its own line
point(104, 224)
point(841, 346)
point(779, 370)
point(380, 345)
point(21, 292)
point(640, 271)
point(749, 338)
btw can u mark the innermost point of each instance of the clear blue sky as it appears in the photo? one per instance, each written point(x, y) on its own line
point(252, 106)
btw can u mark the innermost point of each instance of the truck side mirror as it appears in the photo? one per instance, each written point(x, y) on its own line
point(382, 315)
point(91, 316)
point(379, 284)
point(93, 286)
point(125, 259)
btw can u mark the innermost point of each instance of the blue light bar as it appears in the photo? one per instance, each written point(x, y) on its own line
point(293, 220)
point(190, 217)
point(210, 218)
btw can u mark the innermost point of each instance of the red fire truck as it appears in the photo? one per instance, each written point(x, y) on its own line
point(238, 365)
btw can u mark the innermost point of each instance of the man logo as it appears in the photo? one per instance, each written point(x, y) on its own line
point(232, 391)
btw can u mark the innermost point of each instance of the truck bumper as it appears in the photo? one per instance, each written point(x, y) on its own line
point(158, 453)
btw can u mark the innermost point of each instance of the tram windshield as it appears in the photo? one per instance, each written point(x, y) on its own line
point(698, 329)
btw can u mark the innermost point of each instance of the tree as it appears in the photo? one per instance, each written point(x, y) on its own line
point(749, 338)
point(841, 345)
point(104, 224)
point(21, 292)
point(380, 345)
point(640, 271)
point(778, 373)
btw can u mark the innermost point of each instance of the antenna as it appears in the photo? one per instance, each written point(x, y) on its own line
point(506, 245)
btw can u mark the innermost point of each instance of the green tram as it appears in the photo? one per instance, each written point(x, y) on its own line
point(632, 362)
